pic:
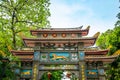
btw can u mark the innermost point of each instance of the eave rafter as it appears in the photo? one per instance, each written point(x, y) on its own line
point(22, 52)
point(96, 52)
point(104, 59)
point(32, 42)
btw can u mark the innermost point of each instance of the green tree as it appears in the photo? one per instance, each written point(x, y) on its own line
point(103, 38)
point(114, 39)
point(7, 68)
point(55, 75)
point(19, 15)
point(118, 15)
point(111, 39)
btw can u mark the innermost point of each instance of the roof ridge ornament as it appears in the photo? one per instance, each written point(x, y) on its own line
point(88, 28)
point(80, 27)
point(96, 35)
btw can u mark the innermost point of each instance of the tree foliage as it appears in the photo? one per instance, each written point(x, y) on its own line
point(55, 75)
point(111, 40)
point(7, 68)
point(19, 15)
point(102, 40)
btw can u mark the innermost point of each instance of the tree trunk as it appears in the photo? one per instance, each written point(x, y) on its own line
point(13, 30)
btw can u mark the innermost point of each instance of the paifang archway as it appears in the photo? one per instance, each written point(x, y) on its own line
point(64, 49)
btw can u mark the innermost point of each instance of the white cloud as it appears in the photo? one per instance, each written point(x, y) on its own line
point(67, 16)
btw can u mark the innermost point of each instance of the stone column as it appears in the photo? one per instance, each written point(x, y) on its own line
point(82, 67)
point(36, 60)
point(35, 70)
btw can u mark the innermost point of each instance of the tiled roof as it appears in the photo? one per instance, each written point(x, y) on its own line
point(22, 52)
point(83, 32)
point(32, 42)
point(96, 52)
point(101, 58)
point(28, 55)
point(87, 52)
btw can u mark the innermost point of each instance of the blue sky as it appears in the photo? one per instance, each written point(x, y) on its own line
point(99, 14)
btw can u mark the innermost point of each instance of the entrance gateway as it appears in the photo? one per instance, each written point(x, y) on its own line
point(64, 51)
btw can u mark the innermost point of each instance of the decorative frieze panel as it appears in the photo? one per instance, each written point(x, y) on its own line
point(26, 73)
point(36, 55)
point(59, 56)
point(101, 72)
point(92, 73)
point(59, 35)
point(58, 67)
point(74, 57)
point(81, 55)
point(44, 57)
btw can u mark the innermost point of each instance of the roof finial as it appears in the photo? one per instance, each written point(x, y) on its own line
point(88, 27)
point(80, 27)
point(96, 35)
